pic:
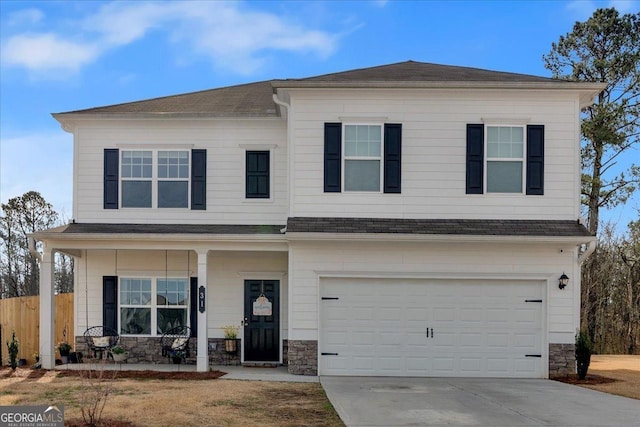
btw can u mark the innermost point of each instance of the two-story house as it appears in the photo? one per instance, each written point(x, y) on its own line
point(409, 219)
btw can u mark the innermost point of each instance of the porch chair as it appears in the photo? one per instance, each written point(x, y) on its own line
point(175, 342)
point(100, 339)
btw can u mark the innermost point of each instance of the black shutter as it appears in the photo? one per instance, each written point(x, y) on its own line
point(535, 160)
point(110, 301)
point(111, 176)
point(257, 174)
point(193, 306)
point(332, 157)
point(199, 180)
point(392, 157)
point(475, 158)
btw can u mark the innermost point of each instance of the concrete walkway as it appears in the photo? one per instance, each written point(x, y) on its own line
point(232, 372)
point(377, 401)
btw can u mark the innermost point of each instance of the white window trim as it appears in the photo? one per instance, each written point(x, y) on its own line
point(344, 158)
point(505, 159)
point(154, 177)
point(271, 148)
point(154, 303)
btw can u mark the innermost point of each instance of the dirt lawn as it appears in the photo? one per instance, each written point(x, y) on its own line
point(614, 374)
point(173, 402)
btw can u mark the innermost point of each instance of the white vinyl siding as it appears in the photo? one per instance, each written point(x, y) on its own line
point(225, 141)
point(434, 152)
point(313, 261)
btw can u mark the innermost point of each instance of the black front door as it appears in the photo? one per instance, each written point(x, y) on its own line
point(261, 320)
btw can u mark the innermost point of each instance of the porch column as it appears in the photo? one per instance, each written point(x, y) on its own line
point(47, 310)
point(203, 339)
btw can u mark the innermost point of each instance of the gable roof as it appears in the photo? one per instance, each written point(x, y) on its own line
point(256, 99)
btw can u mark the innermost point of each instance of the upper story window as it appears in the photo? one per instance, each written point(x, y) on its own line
point(155, 178)
point(511, 160)
point(362, 157)
point(257, 180)
point(166, 185)
point(152, 304)
point(505, 159)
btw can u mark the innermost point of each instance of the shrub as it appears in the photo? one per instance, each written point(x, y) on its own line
point(13, 346)
point(584, 347)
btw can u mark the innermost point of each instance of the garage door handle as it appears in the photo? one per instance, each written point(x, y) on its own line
point(328, 354)
point(532, 355)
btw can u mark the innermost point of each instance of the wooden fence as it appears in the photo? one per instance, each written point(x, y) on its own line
point(23, 315)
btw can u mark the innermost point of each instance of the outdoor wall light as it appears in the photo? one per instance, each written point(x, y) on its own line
point(563, 281)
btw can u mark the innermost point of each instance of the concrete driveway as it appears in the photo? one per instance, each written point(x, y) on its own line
point(380, 401)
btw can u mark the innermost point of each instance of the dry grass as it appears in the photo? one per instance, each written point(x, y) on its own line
point(152, 402)
point(613, 374)
point(625, 369)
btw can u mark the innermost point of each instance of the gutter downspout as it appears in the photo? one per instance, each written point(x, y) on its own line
point(289, 151)
point(31, 242)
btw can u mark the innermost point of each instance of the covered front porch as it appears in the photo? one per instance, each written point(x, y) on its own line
point(141, 280)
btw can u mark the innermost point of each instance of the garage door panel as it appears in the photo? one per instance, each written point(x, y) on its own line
point(431, 328)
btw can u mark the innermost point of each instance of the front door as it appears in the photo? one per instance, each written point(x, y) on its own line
point(261, 320)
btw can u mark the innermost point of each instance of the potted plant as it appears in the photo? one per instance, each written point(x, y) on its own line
point(119, 354)
point(177, 356)
point(64, 348)
point(584, 347)
point(230, 338)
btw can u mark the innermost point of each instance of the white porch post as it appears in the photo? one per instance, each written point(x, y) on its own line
point(47, 310)
point(203, 339)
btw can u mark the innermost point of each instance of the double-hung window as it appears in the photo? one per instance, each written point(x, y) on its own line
point(505, 159)
point(137, 179)
point(153, 304)
point(173, 179)
point(362, 157)
point(155, 178)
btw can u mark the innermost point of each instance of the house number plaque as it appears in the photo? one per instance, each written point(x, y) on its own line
point(262, 306)
point(201, 303)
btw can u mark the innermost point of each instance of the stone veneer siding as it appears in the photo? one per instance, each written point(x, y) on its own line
point(303, 357)
point(139, 349)
point(147, 350)
point(562, 359)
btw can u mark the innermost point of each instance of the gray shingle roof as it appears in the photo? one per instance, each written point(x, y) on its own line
point(100, 228)
point(478, 227)
point(255, 99)
point(247, 100)
point(413, 71)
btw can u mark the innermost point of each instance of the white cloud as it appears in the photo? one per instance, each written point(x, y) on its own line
point(47, 52)
point(231, 35)
point(25, 17)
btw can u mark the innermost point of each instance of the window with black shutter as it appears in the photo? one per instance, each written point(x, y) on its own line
point(257, 174)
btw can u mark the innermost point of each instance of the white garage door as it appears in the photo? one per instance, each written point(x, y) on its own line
point(467, 328)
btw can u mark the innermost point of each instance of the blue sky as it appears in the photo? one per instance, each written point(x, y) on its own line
point(60, 56)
